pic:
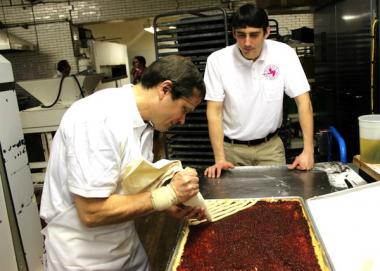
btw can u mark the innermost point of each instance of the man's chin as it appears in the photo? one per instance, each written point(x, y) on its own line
point(163, 129)
point(249, 54)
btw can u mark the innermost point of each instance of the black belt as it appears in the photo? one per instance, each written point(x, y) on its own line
point(251, 142)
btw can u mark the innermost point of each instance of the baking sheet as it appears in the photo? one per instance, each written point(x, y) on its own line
point(325, 257)
point(348, 223)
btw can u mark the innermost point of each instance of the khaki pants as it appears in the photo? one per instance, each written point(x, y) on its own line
point(271, 152)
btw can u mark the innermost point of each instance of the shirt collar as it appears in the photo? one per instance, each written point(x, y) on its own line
point(245, 61)
point(137, 120)
point(264, 52)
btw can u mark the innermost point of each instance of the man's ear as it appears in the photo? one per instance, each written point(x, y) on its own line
point(267, 32)
point(234, 33)
point(164, 88)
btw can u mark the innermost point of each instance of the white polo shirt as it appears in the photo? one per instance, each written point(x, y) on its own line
point(252, 91)
point(98, 136)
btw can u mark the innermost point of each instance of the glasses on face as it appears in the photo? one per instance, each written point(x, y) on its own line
point(186, 109)
point(190, 102)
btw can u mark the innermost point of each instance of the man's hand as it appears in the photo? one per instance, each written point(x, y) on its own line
point(304, 161)
point(215, 170)
point(185, 184)
point(186, 212)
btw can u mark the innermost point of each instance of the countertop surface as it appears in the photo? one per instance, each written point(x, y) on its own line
point(266, 181)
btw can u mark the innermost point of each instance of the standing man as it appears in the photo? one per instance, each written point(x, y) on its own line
point(245, 85)
point(89, 216)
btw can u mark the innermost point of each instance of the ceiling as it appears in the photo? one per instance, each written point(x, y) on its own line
point(291, 6)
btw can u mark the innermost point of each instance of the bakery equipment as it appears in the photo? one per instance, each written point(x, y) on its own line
point(21, 242)
point(12, 43)
point(55, 95)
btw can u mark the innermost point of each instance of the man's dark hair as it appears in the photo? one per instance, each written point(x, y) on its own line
point(181, 71)
point(141, 59)
point(249, 15)
point(62, 64)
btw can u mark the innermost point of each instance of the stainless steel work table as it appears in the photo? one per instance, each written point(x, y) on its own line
point(335, 214)
point(261, 182)
point(266, 181)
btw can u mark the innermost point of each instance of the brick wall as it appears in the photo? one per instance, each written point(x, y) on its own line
point(294, 21)
point(53, 32)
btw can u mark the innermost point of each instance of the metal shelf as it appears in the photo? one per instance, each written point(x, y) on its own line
point(195, 34)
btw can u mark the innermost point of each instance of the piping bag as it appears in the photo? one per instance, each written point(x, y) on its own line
point(199, 201)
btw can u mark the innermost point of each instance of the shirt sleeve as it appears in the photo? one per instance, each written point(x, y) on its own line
point(295, 79)
point(213, 82)
point(93, 160)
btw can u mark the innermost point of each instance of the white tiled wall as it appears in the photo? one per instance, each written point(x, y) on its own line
point(53, 29)
point(54, 44)
point(289, 22)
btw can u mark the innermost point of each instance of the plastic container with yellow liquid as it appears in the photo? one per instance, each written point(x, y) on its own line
point(369, 132)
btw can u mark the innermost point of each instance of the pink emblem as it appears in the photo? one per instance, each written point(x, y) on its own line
point(271, 72)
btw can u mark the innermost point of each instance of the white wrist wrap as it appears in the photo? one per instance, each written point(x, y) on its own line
point(163, 197)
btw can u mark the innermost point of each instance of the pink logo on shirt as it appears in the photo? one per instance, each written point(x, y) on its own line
point(271, 72)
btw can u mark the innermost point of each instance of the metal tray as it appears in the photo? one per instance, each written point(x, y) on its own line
point(348, 222)
point(324, 261)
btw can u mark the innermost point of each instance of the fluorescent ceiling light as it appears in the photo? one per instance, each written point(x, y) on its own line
point(348, 17)
point(149, 29)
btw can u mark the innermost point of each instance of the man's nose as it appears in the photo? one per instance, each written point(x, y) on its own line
point(247, 40)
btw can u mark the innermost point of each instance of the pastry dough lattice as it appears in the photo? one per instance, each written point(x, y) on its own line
point(219, 209)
